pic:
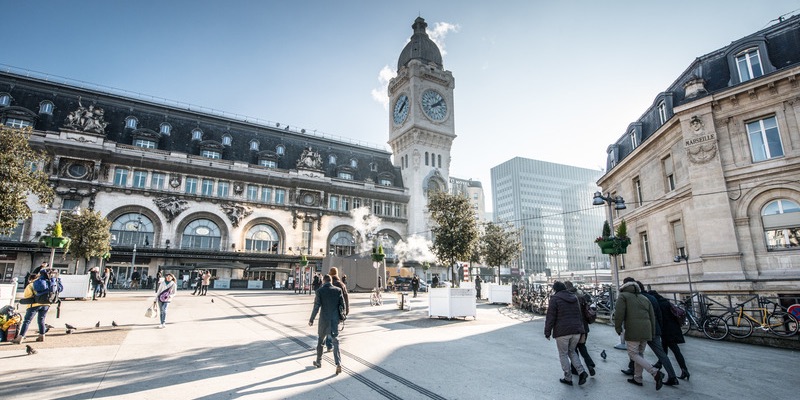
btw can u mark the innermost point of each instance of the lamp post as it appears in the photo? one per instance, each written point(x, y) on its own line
point(685, 257)
point(614, 203)
point(594, 266)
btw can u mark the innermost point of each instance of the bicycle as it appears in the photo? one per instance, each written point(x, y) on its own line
point(375, 299)
point(712, 326)
point(778, 322)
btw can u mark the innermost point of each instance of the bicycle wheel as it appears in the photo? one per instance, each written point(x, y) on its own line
point(738, 327)
point(715, 328)
point(687, 325)
point(373, 300)
point(782, 323)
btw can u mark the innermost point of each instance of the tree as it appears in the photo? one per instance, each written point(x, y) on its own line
point(455, 231)
point(90, 233)
point(19, 177)
point(500, 244)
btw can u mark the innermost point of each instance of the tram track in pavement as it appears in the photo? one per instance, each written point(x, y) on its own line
point(302, 339)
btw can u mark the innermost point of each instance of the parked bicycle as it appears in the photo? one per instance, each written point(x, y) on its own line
point(712, 326)
point(741, 323)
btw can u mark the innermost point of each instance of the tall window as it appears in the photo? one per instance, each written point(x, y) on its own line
point(662, 112)
point(120, 176)
point(191, 185)
point(157, 180)
point(139, 179)
point(253, 145)
point(5, 99)
point(201, 234)
point(331, 159)
point(207, 188)
point(132, 228)
point(781, 219)
point(749, 65)
point(165, 128)
point(669, 173)
point(262, 238)
point(645, 248)
point(376, 208)
point(398, 210)
point(426, 158)
point(197, 134)
point(280, 196)
point(131, 123)
point(333, 203)
point(387, 209)
point(222, 189)
point(356, 202)
point(765, 140)
point(439, 160)
point(266, 194)
point(354, 163)
point(679, 238)
point(280, 150)
point(345, 204)
point(637, 191)
point(46, 107)
point(342, 244)
point(634, 139)
point(226, 140)
point(307, 234)
point(252, 192)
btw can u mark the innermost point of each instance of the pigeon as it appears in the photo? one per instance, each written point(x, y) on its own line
point(71, 327)
point(30, 350)
point(69, 331)
point(47, 327)
point(212, 300)
point(114, 324)
point(603, 355)
point(97, 325)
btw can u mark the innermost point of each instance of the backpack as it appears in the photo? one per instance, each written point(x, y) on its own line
point(678, 313)
point(45, 291)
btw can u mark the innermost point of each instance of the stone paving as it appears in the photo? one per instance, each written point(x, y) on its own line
point(258, 345)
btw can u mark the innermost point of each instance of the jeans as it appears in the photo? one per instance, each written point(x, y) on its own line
point(162, 308)
point(95, 290)
point(42, 313)
point(658, 349)
point(329, 327)
point(566, 354)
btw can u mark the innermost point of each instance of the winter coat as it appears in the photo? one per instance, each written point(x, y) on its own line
point(168, 286)
point(30, 293)
point(635, 313)
point(94, 276)
point(583, 300)
point(670, 327)
point(328, 298)
point(564, 315)
point(338, 283)
point(656, 312)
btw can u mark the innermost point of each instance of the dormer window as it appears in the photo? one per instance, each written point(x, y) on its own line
point(46, 107)
point(144, 143)
point(166, 129)
point(254, 145)
point(17, 123)
point(268, 163)
point(331, 159)
point(226, 140)
point(634, 139)
point(353, 163)
point(280, 150)
point(197, 134)
point(131, 123)
point(662, 112)
point(345, 175)
point(373, 167)
point(5, 99)
point(211, 154)
point(749, 64)
point(385, 182)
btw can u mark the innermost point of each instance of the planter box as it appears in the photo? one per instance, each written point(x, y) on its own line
point(612, 247)
point(54, 242)
point(452, 303)
point(499, 294)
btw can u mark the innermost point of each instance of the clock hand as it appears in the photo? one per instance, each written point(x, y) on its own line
point(437, 104)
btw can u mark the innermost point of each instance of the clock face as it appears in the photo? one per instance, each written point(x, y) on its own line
point(401, 109)
point(434, 105)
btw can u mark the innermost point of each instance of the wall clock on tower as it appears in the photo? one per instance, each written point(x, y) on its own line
point(434, 105)
point(400, 109)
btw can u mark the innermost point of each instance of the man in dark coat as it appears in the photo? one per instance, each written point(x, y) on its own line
point(564, 322)
point(671, 334)
point(635, 313)
point(478, 281)
point(335, 281)
point(328, 298)
point(655, 344)
point(583, 301)
point(415, 284)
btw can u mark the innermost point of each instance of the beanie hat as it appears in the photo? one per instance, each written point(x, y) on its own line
point(559, 286)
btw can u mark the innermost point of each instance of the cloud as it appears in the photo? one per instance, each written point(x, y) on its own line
point(437, 34)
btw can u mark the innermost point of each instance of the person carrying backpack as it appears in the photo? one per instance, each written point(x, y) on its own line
point(39, 294)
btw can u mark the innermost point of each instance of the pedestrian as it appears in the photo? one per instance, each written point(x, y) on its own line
point(334, 273)
point(198, 283)
point(206, 283)
point(655, 344)
point(635, 313)
point(107, 277)
point(329, 298)
point(671, 334)
point(478, 281)
point(435, 281)
point(415, 284)
point(97, 282)
point(136, 277)
point(564, 321)
point(165, 292)
point(39, 309)
point(583, 300)
point(344, 279)
point(158, 279)
point(316, 283)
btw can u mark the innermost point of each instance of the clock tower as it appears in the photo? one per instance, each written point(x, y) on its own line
point(421, 123)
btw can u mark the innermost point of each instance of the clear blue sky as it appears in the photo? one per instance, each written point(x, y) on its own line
point(550, 80)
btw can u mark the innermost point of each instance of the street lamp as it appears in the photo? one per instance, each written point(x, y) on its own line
point(594, 265)
point(685, 257)
point(614, 203)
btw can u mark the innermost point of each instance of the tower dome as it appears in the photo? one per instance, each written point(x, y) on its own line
point(421, 47)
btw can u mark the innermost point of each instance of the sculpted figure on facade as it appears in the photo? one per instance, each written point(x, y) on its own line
point(310, 159)
point(87, 119)
point(701, 147)
point(170, 206)
point(235, 212)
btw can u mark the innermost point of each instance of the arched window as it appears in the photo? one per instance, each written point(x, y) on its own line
point(226, 140)
point(197, 134)
point(388, 244)
point(781, 219)
point(132, 228)
point(201, 234)
point(342, 244)
point(262, 238)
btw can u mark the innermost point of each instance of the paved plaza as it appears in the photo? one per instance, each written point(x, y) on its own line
point(258, 345)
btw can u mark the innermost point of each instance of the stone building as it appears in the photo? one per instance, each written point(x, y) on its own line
point(188, 188)
point(709, 172)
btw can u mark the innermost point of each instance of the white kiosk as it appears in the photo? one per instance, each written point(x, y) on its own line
point(452, 302)
point(75, 287)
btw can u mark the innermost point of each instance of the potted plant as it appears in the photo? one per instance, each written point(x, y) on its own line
point(377, 254)
point(621, 241)
point(55, 241)
point(605, 241)
point(303, 260)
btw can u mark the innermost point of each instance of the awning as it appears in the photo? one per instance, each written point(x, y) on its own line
point(205, 266)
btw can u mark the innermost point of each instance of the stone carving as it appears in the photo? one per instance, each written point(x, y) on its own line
point(702, 146)
point(171, 206)
point(87, 119)
point(238, 188)
point(175, 181)
point(235, 212)
point(309, 159)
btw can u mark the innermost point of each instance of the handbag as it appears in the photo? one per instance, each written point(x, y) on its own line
point(164, 296)
point(151, 312)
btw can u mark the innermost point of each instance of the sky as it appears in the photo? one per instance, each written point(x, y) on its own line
point(556, 81)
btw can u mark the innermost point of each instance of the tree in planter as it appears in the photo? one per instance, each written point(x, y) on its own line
point(21, 176)
point(621, 239)
point(455, 230)
point(90, 233)
point(500, 244)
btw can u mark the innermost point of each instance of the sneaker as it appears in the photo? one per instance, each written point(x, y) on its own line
point(338, 369)
point(40, 338)
point(633, 381)
point(316, 364)
point(582, 378)
point(17, 340)
point(161, 326)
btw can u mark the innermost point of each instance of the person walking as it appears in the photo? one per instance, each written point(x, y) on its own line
point(671, 334)
point(136, 277)
point(635, 314)
point(583, 300)
point(564, 321)
point(206, 282)
point(335, 281)
point(415, 284)
point(39, 309)
point(198, 283)
point(108, 278)
point(97, 282)
point(478, 281)
point(316, 282)
point(329, 299)
point(164, 293)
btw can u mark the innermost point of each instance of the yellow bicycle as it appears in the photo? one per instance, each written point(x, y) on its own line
point(741, 323)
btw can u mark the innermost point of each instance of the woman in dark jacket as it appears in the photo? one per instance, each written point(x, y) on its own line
point(671, 334)
point(582, 350)
point(564, 321)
